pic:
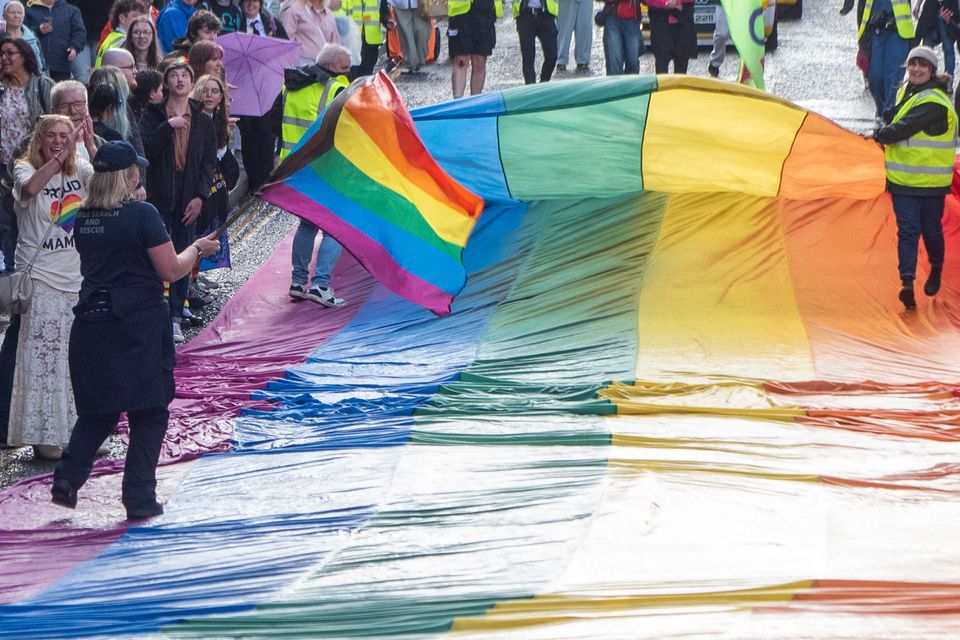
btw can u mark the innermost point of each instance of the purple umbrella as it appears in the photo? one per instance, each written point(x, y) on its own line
point(255, 65)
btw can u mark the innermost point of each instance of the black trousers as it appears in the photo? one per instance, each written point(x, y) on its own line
point(258, 150)
point(369, 54)
point(661, 64)
point(147, 428)
point(8, 362)
point(532, 26)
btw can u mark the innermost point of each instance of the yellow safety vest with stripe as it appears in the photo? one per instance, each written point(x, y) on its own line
point(552, 7)
point(113, 39)
point(301, 108)
point(923, 160)
point(901, 13)
point(366, 13)
point(459, 7)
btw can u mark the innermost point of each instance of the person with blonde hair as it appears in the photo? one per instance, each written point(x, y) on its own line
point(49, 185)
point(121, 350)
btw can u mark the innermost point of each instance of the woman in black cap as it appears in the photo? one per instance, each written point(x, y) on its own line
point(121, 350)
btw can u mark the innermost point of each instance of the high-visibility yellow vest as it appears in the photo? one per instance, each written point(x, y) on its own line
point(459, 7)
point(923, 160)
point(113, 39)
point(902, 15)
point(302, 107)
point(552, 7)
point(366, 13)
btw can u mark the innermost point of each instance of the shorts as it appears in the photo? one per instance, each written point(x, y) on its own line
point(472, 34)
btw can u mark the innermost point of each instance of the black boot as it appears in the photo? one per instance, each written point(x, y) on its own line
point(847, 7)
point(906, 294)
point(932, 285)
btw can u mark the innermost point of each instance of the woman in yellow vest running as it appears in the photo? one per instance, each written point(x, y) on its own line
point(920, 149)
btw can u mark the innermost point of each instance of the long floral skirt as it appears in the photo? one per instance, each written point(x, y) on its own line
point(42, 410)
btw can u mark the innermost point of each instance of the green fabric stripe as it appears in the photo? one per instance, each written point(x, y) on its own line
point(394, 209)
point(578, 140)
point(560, 95)
point(584, 273)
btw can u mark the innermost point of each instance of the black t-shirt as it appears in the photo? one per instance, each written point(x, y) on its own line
point(113, 248)
point(230, 15)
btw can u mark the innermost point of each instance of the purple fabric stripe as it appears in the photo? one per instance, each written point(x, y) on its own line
point(370, 253)
point(257, 336)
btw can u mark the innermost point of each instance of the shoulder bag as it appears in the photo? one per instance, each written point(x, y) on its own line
point(16, 288)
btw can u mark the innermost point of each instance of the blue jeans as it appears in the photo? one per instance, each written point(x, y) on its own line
point(575, 22)
point(327, 256)
point(622, 45)
point(888, 52)
point(918, 216)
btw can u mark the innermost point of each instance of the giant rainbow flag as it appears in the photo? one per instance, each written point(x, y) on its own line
point(362, 174)
point(677, 398)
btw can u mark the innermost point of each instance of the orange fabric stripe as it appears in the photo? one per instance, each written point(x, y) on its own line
point(815, 147)
point(403, 148)
point(843, 264)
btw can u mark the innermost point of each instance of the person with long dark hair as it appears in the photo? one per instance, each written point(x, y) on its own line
point(142, 43)
point(121, 353)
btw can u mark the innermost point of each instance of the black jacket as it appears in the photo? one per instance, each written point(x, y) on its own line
point(68, 31)
point(273, 27)
point(157, 135)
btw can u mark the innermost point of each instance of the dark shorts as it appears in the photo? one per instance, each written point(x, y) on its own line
point(472, 34)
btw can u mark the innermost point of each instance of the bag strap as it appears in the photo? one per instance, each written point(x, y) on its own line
point(53, 223)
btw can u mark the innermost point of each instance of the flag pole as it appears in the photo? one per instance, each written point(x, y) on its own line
point(233, 217)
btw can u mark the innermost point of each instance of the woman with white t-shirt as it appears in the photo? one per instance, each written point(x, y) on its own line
point(49, 186)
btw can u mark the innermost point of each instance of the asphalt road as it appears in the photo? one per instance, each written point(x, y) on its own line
point(814, 67)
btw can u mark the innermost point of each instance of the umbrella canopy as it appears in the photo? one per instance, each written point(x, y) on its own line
point(255, 64)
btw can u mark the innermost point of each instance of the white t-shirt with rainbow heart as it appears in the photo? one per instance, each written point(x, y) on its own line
point(58, 263)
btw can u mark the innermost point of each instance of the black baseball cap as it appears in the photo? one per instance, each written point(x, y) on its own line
point(117, 156)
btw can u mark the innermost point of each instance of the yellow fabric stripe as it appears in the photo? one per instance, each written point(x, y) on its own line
point(717, 301)
point(735, 398)
point(553, 608)
point(686, 124)
point(356, 146)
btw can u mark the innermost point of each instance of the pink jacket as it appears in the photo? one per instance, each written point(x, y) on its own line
point(308, 26)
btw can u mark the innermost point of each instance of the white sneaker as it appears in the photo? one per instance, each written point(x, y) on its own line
point(325, 297)
point(177, 334)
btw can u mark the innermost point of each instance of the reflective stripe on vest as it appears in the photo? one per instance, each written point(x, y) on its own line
point(113, 39)
point(552, 7)
point(366, 13)
point(459, 7)
point(901, 14)
point(301, 109)
point(923, 160)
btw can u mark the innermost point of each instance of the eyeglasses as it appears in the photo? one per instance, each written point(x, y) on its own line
point(8, 53)
point(76, 105)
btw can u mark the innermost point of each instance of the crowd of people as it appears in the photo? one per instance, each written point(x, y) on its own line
point(116, 178)
point(119, 131)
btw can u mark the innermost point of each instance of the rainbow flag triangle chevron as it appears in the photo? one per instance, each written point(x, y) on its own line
point(362, 174)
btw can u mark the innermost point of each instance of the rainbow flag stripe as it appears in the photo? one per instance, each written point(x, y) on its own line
point(362, 174)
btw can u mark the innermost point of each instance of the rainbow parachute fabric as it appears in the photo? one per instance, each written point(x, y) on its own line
point(362, 174)
point(677, 397)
